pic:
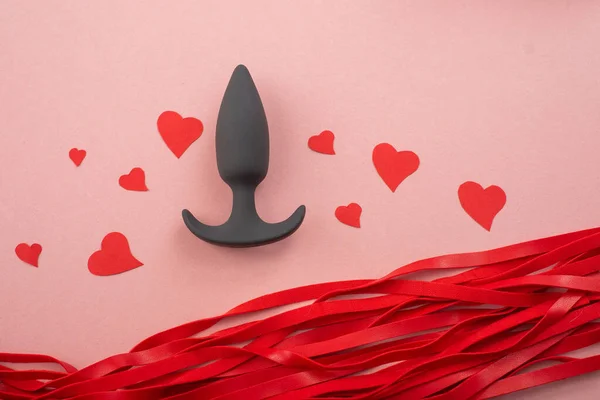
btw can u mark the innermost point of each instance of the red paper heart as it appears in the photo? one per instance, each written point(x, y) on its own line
point(114, 256)
point(481, 204)
point(178, 132)
point(349, 215)
point(29, 254)
point(322, 143)
point(134, 180)
point(394, 166)
point(77, 156)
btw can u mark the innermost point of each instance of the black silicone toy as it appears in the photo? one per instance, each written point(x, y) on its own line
point(242, 141)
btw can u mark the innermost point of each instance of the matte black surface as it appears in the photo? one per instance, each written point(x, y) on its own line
point(242, 142)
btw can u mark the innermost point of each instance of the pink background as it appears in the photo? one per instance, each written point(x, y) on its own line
point(504, 93)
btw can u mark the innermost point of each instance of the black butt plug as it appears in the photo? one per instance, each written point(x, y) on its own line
point(242, 141)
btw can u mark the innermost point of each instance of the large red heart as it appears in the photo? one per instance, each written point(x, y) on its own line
point(134, 180)
point(481, 204)
point(77, 156)
point(29, 254)
point(114, 256)
point(394, 166)
point(178, 132)
point(349, 215)
point(322, 143)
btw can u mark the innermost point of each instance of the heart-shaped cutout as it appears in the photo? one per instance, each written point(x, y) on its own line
point(77, 156)
point(29, 254)
point(394, 166)
point(134, 180)
point(481, 204)
point(114, 256)
point(178, 133)
point(349, 215)
point(322, 143)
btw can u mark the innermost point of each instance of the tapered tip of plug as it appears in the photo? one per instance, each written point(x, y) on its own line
point(241, 68)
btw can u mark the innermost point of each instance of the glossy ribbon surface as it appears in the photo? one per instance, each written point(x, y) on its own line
point(477, 334)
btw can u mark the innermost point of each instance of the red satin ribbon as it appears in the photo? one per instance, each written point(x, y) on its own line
point(467, 336)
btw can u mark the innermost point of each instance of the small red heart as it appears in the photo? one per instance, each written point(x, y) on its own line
point(29, 254)
point(394, 166)
point(481, 204)
point(178, 132)
point(322, 143)
point(134, 180)
point(349, 215)
point(114, 256)
point(77, 156)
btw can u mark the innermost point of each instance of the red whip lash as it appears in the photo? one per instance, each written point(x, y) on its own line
point(477, 334)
